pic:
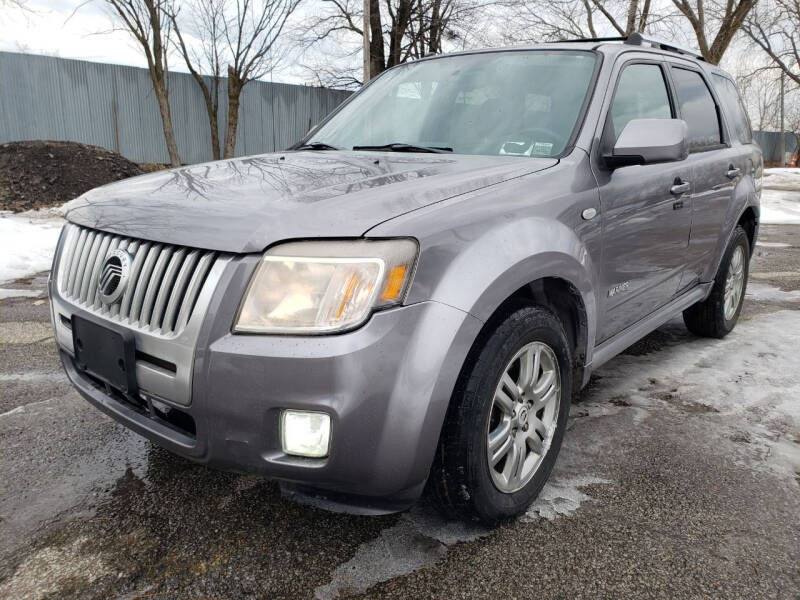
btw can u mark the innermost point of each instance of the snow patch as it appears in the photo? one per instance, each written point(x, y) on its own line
point(773, 245)
point(417, 540)
point(43, 574)
point(562, 497)
point(780, 207)
point(27, 242)
point(749, 379)
point(766, 293)
point(782, 178)
point(7, 293)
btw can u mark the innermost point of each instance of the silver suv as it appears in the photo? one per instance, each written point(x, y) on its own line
point(410, 297)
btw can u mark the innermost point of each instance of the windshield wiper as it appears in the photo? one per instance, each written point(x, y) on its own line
point(400, 147)
point(316, 146)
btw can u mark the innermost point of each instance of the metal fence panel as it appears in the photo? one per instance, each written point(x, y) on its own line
point(48, 98)
point(770, 142)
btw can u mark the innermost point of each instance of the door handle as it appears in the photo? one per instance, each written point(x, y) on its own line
point(733, 172)
point(680, 187)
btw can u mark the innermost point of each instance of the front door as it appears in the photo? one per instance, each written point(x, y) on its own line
point(646, 209)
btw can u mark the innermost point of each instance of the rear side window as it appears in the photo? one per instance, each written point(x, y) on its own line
point(641, 94)
point(697, 109)
point(735, 113)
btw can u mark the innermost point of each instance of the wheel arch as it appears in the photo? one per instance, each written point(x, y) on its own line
point(564, 300)
point(748, 221)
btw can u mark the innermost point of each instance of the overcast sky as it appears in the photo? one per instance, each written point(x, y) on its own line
point(83, 29)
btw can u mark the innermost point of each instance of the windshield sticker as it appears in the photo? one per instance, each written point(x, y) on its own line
point(542, 149)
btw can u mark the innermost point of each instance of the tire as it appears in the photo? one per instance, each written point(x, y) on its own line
point(714, 317)
point(462, 483)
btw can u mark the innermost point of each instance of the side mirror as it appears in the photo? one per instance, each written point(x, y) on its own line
point(648, 141)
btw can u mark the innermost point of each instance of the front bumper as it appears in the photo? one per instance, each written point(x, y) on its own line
point(386, 387)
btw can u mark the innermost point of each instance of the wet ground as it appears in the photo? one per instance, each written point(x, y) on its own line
point(679, 477)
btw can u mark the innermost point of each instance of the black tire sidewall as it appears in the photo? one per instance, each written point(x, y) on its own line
point(521, 328)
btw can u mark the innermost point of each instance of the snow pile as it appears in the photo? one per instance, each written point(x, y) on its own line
point(27, 242)
point(780, 197)
point(782, 179)
point(780, 207)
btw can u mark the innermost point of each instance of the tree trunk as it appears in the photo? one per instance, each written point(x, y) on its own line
point(630, 23)
point(399, 28)
point(212, 109)
point(378, 62)
point(234, 91)
point(213, 124)
point(435, 38)
point(160, 89)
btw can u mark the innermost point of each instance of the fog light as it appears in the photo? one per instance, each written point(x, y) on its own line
point(305, 433)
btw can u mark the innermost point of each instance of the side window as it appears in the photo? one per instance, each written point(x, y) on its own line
point(734, 108)
point(697, 109)
point(641, 94)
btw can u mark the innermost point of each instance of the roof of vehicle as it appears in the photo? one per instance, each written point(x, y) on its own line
point(607, 45)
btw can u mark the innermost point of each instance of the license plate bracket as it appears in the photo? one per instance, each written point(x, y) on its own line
point(107, 354)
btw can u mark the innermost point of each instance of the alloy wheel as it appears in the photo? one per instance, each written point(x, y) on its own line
point(734, 283)
point(523, 416)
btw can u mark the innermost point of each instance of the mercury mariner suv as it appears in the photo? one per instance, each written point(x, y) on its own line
point(409, 298)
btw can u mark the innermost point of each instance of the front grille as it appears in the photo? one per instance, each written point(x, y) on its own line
point(164, 281)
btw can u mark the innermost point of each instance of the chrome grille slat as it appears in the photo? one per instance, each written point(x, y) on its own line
point(136, 269)
point(70, 236)
point(177, 296)
point(193, 290)
point(164, 281)
point(75, 286)
point(165, 289)
point(74, 260)
point(141, 287)
point(89, 289)
point(154, 284)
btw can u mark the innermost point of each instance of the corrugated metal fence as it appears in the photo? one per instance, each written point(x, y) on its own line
point(46, 98)
point(770, 142)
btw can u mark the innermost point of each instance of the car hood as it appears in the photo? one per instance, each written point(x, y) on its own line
point(246, 204)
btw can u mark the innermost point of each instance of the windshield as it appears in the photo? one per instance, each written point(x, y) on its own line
point(522, 103)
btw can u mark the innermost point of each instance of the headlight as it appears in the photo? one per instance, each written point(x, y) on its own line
point(325, 286)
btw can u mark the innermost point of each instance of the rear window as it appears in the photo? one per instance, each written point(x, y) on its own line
point(698, 109)
point(735, 113)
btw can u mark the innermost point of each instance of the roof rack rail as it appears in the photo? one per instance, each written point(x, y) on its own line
point(637, 39)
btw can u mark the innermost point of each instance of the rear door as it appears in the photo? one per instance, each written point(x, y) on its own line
point(715, 167)
point(645, 208)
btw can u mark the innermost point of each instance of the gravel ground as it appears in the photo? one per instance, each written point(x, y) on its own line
point(679, 477)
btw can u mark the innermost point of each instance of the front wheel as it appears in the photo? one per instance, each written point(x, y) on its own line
point(716, 316)
point(506, 420)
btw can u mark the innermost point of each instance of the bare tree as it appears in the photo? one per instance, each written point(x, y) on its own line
point(251, 29)
point(760, 91)
point(149, 23)
point(398, 31)
point(565, 19)
point(204, 59)
point(724, 17)
point(237, 36)
point(775, 27)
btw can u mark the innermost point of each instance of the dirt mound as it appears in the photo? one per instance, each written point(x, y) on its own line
point(40, 174)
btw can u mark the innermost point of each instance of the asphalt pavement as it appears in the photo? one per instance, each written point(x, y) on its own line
point(679, 478)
